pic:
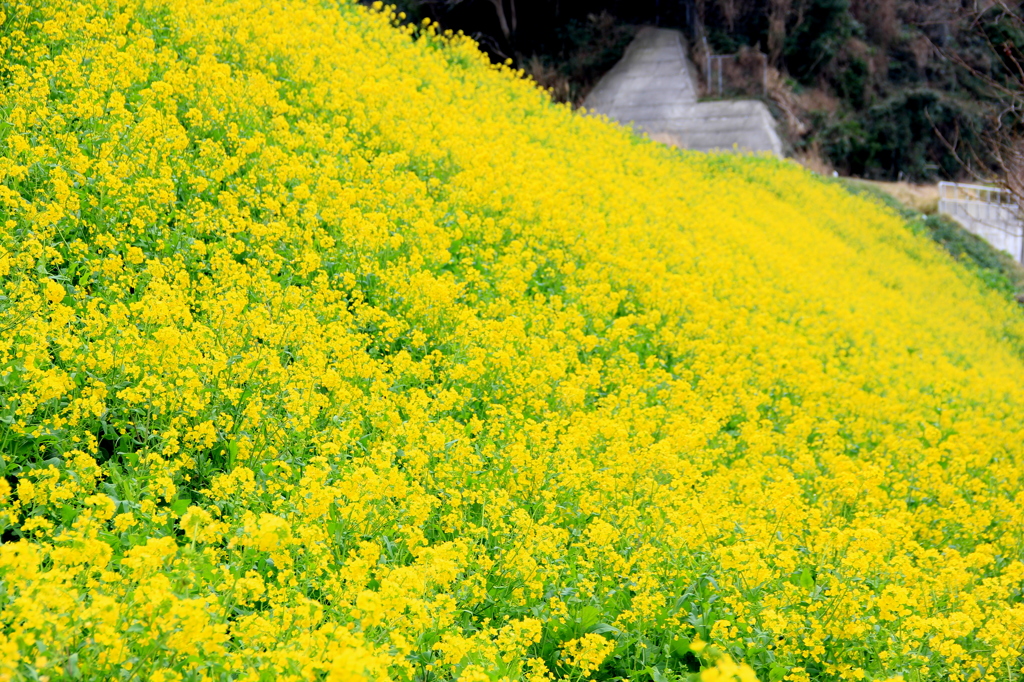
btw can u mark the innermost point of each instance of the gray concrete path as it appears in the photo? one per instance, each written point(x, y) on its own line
point(654, 88)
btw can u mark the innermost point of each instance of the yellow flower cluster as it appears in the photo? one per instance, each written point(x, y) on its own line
point(331, 351)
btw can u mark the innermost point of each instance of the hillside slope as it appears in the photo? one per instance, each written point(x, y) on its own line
point(334, 351)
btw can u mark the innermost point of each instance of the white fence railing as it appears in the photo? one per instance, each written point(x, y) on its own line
point(989, 212)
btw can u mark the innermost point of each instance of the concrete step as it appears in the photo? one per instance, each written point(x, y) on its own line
point(654, 88)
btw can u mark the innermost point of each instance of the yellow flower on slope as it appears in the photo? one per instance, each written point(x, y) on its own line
point(588, 652)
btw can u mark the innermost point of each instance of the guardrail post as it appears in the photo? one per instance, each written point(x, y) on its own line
point(764, 74)
point(707, 60)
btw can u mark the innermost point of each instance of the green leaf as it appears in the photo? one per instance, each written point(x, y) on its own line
point(589, 617)
point(68, 514)
point(776, 673)
point(180, 506)
point(71, 667)
point(602, 628)
point(806, 578)
point(111, 539)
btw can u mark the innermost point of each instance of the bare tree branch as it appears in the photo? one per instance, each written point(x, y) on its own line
point(1002, 86)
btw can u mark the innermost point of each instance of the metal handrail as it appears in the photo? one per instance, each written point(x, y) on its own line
point(975, 192)
point(711, 59)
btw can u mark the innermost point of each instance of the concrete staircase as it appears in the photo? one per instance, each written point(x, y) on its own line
point(654, 88)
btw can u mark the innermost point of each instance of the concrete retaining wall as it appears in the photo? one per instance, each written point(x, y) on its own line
point(654, 88)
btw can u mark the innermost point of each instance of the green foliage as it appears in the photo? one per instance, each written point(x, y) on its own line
point(898, 135)
point(589, 48)
point(853, 81)
point(816, 40)
point(1000, 29)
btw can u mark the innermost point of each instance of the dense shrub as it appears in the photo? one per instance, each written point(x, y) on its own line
point(897, 138)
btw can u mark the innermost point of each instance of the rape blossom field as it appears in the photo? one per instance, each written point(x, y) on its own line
point(331, 351)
